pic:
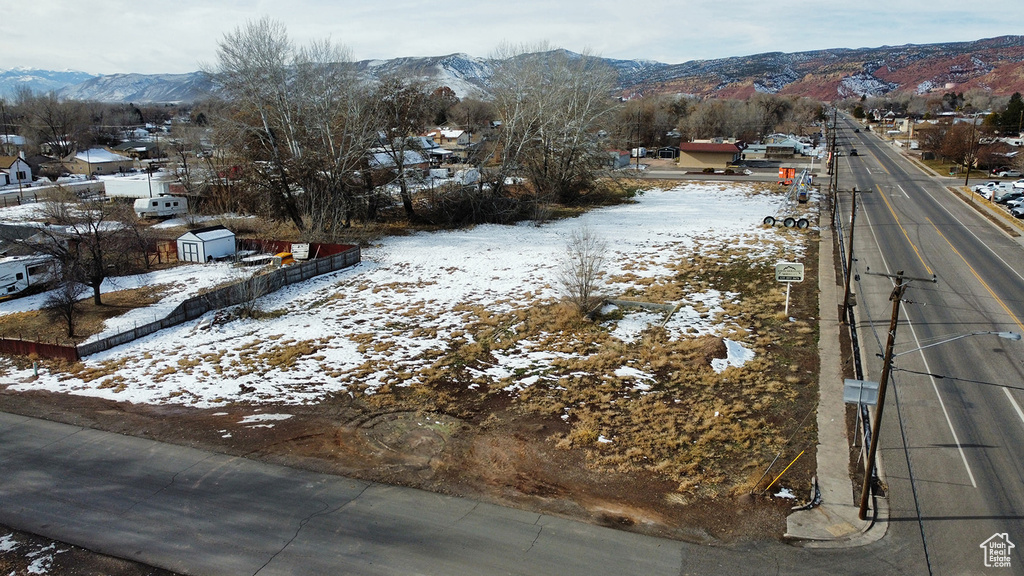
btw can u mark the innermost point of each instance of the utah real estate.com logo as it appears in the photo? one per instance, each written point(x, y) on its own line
point(997, 550)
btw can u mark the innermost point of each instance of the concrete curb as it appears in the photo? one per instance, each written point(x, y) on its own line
point(835, 522)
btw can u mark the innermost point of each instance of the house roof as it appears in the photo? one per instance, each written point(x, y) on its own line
point(209, 233)
point(708, 147)
point(99, 155)
point(8, 161)
point(384, 159)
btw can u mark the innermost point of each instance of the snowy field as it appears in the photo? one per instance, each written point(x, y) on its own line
point(386, 319)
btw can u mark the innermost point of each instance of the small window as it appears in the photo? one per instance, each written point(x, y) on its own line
point(175, 203)
point(38, 269)
point(19, 276)
point(155, 204)
point(10, 289)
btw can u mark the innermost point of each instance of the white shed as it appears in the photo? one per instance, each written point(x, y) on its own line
point(206, 244)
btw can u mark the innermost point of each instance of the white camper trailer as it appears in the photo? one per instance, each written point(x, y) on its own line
point(19, 273)
point(161, 206)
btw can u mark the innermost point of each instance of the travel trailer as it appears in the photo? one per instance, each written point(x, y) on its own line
point(19, 273)
point(161, 206)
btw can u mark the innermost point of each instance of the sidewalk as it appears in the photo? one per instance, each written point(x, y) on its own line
point(835, 522)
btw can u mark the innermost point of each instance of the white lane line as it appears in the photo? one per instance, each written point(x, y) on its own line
point(1014, 403)
point(905, 195)
point(935, 387)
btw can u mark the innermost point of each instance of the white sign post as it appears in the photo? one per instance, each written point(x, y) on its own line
point(789, 272)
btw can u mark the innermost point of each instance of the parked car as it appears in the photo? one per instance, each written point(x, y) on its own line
point(1015, 202)
point(1009, 174)
point(1017, 211)
point(1005, 197)
point(986, 186)
point(1018, 183)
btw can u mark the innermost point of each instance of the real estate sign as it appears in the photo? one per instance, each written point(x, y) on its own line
point(789, 272)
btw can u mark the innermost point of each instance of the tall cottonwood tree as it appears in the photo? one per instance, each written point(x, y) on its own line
point(550, 104)
point(255, 69)
point(401, 109)
point(303, 117)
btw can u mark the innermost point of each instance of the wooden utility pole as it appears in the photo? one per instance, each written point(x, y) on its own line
point(869, 467)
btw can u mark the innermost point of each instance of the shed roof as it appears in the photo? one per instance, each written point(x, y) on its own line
point(208, 233)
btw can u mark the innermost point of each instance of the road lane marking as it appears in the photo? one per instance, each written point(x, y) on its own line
point(1015, 405)
point(904, 230)
point(978, 277)
point(905, 195)
point(935, 386)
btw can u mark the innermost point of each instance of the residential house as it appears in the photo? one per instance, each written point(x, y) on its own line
point(701, 155)
point(459, 142)
point(14, 170)
point(96, 161)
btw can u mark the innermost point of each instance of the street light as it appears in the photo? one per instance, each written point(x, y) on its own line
point(1003, 335)
point(869, 466)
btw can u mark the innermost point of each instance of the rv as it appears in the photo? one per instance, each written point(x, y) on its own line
point(19, 273)
point(161, 206)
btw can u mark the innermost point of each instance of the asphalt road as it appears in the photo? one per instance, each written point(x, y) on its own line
point(963, 424)
point(196, 512)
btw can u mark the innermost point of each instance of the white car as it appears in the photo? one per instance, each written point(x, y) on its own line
point(1018, 183)
point(986, 186)
point(1009, 174)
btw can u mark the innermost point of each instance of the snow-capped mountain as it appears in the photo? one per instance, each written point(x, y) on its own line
point(994, 64)
point(38, 80)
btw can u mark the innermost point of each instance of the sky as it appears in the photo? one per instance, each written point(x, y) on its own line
point(119, 36)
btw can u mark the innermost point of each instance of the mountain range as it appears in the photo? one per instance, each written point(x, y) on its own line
point(993, 64)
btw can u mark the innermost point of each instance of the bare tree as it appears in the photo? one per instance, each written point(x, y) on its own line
point(62, 124)
point(255, 70)
point(401, 111)
point(63, 303)
point(549, 103)
point(582, 267)
point(91, 239)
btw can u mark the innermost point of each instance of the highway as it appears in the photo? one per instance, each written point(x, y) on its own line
point(956, 402)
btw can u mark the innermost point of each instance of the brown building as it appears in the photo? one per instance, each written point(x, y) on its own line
point(700, 155)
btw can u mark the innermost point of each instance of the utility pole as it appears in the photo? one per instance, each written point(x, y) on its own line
point(869, 467)
point(847, 314)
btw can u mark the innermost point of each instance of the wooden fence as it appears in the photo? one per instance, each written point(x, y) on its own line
point(43, 350)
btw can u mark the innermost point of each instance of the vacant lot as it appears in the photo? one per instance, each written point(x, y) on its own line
point(447, 361)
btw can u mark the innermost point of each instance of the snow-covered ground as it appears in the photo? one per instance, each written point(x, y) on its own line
point(383, 321)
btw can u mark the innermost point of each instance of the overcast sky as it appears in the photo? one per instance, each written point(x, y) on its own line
point(113, 36)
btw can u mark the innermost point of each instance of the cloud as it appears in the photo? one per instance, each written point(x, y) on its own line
point(122, 36)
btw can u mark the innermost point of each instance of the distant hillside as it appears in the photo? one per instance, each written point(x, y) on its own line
point(38, 80)
point(995, 64)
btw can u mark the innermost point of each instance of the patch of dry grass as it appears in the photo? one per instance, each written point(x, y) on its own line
point(38, 325)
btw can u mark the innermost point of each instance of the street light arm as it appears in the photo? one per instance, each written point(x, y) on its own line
point(1003, 335)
